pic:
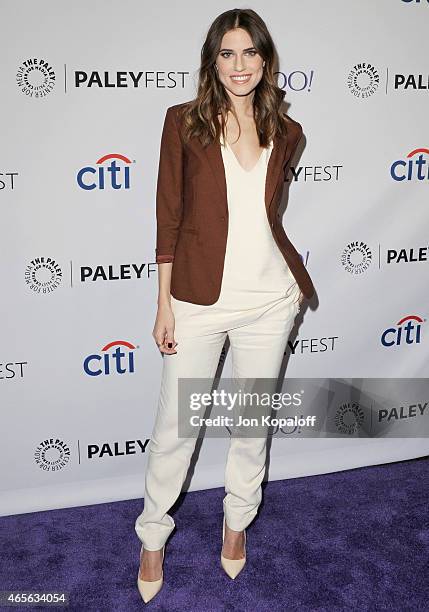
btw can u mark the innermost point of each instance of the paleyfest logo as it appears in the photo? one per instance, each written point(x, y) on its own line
point(363, 80)
point(414, 168)
point(356, 257)
point(36, 77)
point(115, 174)
point(43, 275)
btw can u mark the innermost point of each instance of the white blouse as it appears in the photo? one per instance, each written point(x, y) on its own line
point(255, 271)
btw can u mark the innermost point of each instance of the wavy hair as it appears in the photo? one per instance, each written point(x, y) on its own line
point(200, 117)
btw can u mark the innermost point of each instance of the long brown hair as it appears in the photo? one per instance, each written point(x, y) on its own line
point(200, 116)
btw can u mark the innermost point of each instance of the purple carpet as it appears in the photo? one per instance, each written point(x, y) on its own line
point(352, 540)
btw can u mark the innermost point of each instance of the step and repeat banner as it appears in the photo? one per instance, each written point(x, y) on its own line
point(85, 87)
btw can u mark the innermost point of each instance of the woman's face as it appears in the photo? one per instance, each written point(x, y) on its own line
point(239, 65)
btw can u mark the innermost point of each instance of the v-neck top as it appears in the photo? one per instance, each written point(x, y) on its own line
point(255, 271)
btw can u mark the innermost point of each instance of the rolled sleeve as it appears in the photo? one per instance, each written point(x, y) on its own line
point(169, 192)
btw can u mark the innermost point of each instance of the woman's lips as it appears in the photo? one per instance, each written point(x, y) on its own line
point(241, 79)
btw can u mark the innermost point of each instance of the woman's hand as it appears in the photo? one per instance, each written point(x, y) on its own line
point(163, 331)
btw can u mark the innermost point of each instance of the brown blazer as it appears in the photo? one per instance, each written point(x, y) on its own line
point(192, 211)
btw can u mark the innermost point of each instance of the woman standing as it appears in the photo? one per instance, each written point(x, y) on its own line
point(226, 268)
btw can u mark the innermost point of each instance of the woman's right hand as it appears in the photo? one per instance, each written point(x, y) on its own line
point(163, 331)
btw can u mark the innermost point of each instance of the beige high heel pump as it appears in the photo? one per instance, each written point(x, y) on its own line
point(232, 566)
point(149, 588)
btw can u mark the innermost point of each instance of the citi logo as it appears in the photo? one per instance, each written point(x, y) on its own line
point(115, 358)
point(414, 167)
point(111, 171)
point(406, 331)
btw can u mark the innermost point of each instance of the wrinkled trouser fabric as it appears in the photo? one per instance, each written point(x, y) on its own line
point(258, 339)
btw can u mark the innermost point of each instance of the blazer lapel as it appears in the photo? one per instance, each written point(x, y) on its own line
point(274, 168)
point(214, 157)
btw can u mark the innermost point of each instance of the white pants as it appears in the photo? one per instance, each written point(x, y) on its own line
point(258, 338)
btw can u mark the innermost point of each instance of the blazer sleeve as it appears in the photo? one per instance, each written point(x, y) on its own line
point(169, 192)
point(296, 135)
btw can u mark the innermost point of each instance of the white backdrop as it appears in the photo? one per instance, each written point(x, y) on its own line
point(85, 87)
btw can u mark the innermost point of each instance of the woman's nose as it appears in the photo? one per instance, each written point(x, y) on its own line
point(239, 64)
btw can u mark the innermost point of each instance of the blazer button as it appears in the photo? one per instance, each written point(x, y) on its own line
point(222, 218)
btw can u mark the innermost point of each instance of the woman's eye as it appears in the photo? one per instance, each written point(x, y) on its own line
point(228, 53)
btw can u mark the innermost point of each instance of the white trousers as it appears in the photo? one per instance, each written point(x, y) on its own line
point(258, 339)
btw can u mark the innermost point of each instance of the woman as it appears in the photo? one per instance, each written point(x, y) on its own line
point(226, 267)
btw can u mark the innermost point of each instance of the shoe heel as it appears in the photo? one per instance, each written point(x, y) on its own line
point(149, 588)
point(232, 567)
